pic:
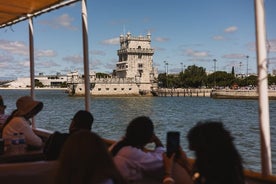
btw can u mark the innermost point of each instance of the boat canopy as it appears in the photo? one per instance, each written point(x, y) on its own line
point(13, 11)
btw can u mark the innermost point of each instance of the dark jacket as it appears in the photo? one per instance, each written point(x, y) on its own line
point(54, 145)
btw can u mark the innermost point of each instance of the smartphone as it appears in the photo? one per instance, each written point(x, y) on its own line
point(173, 142)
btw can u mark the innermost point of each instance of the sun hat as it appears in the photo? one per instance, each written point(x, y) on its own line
point(26, 105)
point(2, 102)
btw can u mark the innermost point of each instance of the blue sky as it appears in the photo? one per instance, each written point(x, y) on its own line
point(183, 31)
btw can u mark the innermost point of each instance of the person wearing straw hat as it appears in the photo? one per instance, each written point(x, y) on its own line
point(19, 121)
point(3, 116)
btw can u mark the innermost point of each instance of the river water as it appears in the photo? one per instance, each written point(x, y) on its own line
point(112, 115)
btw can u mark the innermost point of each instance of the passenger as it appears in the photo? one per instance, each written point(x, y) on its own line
point(81, 120)
point(85, 159)
point(217, 159)
point(19, 121)
point(3, 116)
point(130, 156)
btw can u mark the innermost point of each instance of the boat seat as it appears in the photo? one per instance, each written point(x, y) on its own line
point(42, 172)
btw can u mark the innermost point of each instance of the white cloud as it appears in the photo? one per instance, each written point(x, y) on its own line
point(159, 49)
point(14, 47)
point(112, 41)
point(234, 56)
point(24, 63)
point(160, 39)
point(46, 53)
point(230, 29)
point(272, 45)
point(74, 59)
point(47, 64)
point(63, 21)
point(98, 52)
point(193, 53)
point(6, 58)
point(218, 37)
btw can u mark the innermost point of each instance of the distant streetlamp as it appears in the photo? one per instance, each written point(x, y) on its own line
point(247, 66)
point(182, 69)
point(166, 71)
point(246, 70)
point(166, 67)
point(240, 68)
point(214, 64)
point(215, 72)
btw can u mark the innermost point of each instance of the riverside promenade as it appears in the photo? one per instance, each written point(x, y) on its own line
point(178, 92)
point(240, 94)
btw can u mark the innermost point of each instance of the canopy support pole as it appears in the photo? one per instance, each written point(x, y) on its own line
point(31, 53)
point(263, 87)
point(85, 55)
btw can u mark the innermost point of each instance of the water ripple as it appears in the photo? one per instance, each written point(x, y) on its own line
point(168, 113)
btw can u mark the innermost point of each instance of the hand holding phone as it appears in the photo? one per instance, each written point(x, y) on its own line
point(173, 143)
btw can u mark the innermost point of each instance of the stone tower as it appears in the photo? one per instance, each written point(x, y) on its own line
point(136, 60)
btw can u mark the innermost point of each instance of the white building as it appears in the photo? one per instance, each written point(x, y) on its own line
point(46, 80)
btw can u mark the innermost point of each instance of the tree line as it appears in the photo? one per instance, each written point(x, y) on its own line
point(196, 77)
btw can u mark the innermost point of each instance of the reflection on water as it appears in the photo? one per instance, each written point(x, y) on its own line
point(112, 114)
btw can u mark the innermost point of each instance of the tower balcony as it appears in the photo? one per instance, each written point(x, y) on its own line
point(121, 69)
point(136, 51)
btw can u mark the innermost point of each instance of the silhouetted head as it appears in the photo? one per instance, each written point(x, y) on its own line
point(81, 120)
point(139, 131)
point(85, 158)
point(208, 135)
point(2, 105)
point(217, 159)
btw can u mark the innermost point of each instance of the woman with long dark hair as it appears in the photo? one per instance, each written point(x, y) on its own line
point(130, 156)
point(217, 160)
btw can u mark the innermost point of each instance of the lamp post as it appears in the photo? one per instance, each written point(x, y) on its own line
point(247, 66)
point(247, 70)
point(215, 72)
point(214, 64)
point(240, 68)
point(166, 72)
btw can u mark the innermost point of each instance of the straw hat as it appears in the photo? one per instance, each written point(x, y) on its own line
point(26, 105)
point(2, 102)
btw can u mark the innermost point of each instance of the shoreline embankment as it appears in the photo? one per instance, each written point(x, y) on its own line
point(240, 94)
